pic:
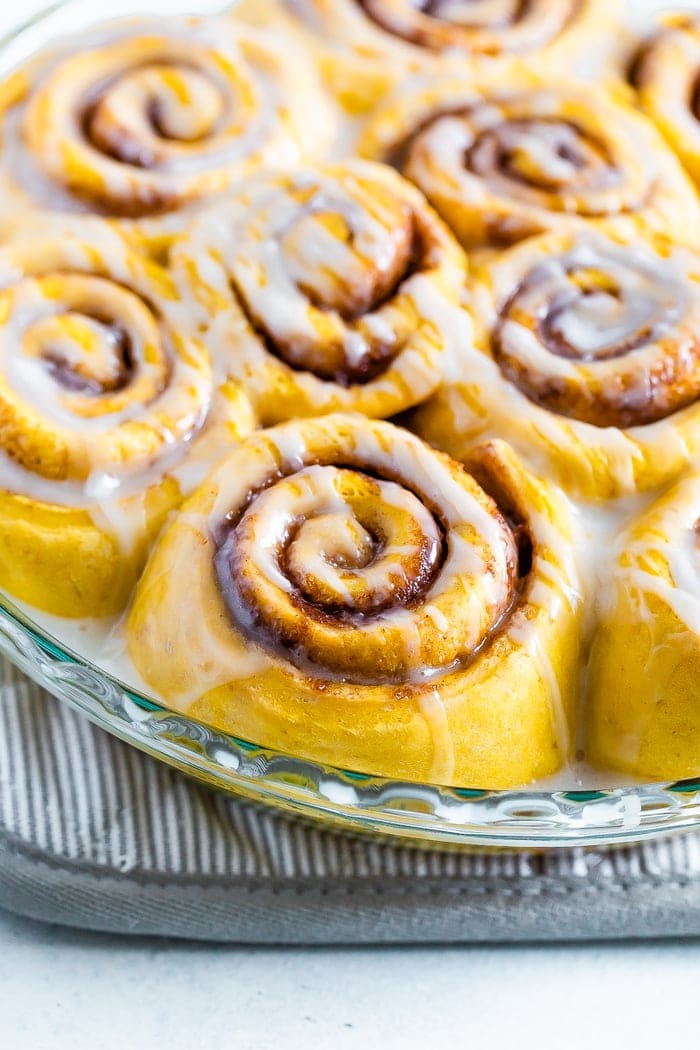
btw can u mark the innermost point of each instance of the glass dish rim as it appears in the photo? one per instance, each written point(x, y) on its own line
point(422, 814)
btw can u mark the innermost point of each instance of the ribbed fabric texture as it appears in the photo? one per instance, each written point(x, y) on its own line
point(78, 805)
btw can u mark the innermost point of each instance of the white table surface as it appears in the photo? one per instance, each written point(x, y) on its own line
point(61, 989)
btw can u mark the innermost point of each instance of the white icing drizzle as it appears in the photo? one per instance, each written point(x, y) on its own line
point(512, 147)
point(475, 567)
point(322, 263)
point(313, 497)
point(433, 710)
point(676, 541)
point(554, 583)
point(668, 77)
point(645, 293)
point(450, 31)
point(504, 402)
point(657, 292)
point(226, 97)
point(603, 331)
point(669, 532)
point(80, 310)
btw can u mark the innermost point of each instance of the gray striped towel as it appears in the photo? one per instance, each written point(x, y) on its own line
point(97, 835)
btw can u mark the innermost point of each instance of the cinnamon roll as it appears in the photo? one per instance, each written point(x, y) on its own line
point(500, 167)
point(368, 47)
point(101, 394)
point(145, 116)
point(356, 597)
point(643, 713)
point(487, 27)
point(587, 358)
point(328, 289)
point(665, 75)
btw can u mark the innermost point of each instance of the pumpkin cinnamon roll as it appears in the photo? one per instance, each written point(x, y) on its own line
point(665, 74)
point(328, 289)
point(146, 116)
point(499, 167)
point(587, 358)
point(367, 47)
point(643, 712)
point(101, 394)
point(358, 598)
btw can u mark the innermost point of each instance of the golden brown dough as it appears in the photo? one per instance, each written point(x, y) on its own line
point(502, 164)
point(665, 75)
point(643, 716)
point(155, 114)
point(355, 597)
point(103, 391)
point(331, 288)
point(367, 48)
point(585, 357)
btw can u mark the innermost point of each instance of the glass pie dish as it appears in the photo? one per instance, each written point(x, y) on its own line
point(340, 798)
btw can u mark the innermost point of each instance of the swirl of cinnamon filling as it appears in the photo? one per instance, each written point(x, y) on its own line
point(502, 168)
point(352, 547)
point(339, 588)
point(586, 356)
point(95, 375)
point(488, 27)
point(605, 333)
point(146, 121)
point(665, 74)
point(328, 289)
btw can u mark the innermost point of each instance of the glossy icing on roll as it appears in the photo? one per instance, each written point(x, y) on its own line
point(341, 562)
point(648, 644)
point(605, 333)
point(104, 390)
point(327, 289)
point(153, 115)
point(485, 26)
point(585, 357)
point(328, 560)
point(677, 546)
point(369, 49)
point(665, 74)
point(93, 374)
point(502, 165)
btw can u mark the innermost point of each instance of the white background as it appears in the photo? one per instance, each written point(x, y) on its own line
point(63, 989)
point(60, 988)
